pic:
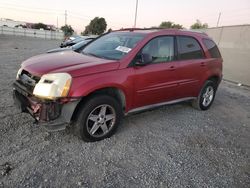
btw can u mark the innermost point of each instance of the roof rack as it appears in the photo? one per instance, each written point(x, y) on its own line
point(133, 29)
point(195, 31)
point(159, 28)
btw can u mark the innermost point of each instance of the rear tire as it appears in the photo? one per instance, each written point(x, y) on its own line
point(206, 96)
point(98, 118)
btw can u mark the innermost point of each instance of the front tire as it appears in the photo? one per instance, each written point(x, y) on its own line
point(98, 118)
point(206, 96)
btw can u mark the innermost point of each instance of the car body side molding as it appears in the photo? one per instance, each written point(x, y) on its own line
point(145, 108)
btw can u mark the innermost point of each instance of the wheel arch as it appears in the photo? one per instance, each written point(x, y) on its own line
point(216, 79)
point(115, 92)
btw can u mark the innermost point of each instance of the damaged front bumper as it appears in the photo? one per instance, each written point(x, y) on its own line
point(54, 115)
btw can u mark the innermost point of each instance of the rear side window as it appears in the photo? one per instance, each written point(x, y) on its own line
point(189, 48)
point(212, 48)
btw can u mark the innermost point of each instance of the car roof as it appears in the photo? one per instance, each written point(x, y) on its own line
point(161, 31)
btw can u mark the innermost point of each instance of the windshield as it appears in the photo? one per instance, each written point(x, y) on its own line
point(113, 45)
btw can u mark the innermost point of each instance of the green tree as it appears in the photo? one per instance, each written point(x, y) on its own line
point(110, 30)
point(40, 26)
point(96, 26)
point(67, 30)
point(199, 25)
point(168, 24)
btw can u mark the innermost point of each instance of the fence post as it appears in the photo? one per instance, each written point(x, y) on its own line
point(220, 36)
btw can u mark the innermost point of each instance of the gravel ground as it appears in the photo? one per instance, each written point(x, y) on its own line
point(173, 146)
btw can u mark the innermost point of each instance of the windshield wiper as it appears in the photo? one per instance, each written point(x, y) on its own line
point(98, 56)
point(90, 54)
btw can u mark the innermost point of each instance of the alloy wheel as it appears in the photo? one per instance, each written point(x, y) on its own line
point(101, 120)
point(208, 96)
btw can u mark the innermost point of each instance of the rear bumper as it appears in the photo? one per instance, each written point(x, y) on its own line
point(53, 115)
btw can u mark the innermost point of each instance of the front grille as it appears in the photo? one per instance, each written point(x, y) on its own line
point(28, 80)
point(36, 78)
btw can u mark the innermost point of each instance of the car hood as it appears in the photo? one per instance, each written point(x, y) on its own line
point(68, 61)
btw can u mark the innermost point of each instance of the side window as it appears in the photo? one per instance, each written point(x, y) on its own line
point(160, 49)
point(189, 48)
point(212, 48)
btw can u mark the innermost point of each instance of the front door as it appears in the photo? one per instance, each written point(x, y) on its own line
point(156, 81)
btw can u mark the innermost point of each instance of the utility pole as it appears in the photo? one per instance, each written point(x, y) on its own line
point(57, 22)
point(218, 21)
point(136, 13)
point(65, 14)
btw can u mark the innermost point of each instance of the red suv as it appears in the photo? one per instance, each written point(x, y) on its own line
point(117, 74)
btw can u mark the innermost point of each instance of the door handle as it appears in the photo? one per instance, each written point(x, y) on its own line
point(203, 64)
point(172, 68)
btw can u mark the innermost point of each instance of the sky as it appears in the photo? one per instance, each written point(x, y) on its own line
point(121, 14)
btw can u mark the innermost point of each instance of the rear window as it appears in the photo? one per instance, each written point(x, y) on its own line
point(212, 48)
point(189, 48)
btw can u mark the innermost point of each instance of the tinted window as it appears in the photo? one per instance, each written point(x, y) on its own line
point(189, 48)
point(212, 48)
point(160, 49)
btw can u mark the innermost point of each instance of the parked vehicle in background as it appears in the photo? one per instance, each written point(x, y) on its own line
point(73, 37)
point(71, 42)
point(120, 73)
point(78, 47)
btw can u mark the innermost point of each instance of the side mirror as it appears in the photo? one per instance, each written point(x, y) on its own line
point(143, 59)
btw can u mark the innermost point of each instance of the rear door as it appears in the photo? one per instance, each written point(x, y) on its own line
point(191, 66)
point(156, 82)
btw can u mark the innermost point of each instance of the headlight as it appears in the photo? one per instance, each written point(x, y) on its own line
point(52, 86)
point(19, 73)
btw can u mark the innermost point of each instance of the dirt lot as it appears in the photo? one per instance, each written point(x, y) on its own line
point(173, 146)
